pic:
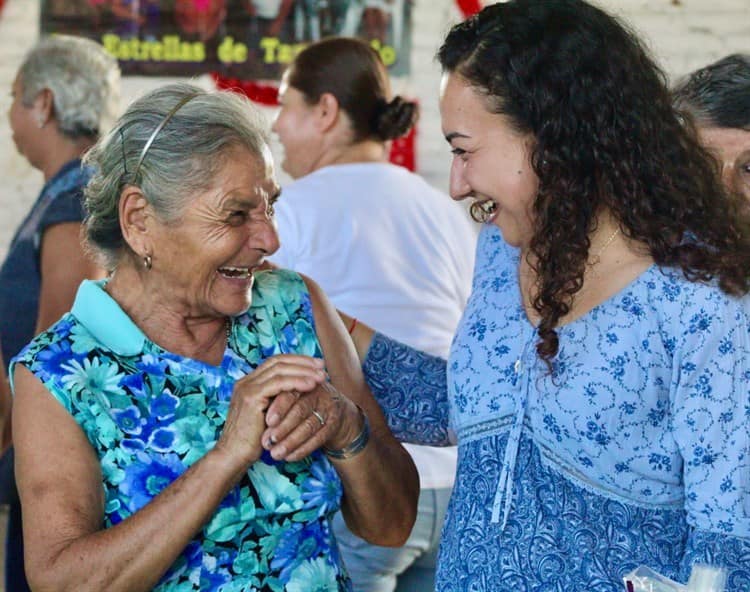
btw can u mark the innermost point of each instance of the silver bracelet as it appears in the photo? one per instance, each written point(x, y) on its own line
point(355, 446)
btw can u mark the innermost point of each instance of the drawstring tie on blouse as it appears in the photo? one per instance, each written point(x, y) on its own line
point(504, 494)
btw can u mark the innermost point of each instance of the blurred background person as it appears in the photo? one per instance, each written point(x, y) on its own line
point(91, 10)
point(316, 19)
point(269, 17)
point(138, 18)
point(65, 93)
point(383, 244)
point(717, 97)
point(374, 19)
point(177, 430)
point(200, 18)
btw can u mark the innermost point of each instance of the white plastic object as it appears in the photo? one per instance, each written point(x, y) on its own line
point(707, 578)
point(645, 579)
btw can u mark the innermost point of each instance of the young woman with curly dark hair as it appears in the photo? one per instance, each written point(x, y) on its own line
point(598, 382)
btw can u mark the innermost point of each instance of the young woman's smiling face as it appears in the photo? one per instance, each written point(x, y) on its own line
point(491, 159)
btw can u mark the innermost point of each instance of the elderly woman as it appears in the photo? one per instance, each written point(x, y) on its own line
point(66, 91)
point(598, 380)
point(177, 429)
point(717, 96)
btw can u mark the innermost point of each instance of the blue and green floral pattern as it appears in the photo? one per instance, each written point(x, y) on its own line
point(150, 414)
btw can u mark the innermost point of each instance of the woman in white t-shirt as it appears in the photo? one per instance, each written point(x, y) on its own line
point(386, 247)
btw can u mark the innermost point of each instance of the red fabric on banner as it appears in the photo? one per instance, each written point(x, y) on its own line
point(469, 7)
point(260, 92)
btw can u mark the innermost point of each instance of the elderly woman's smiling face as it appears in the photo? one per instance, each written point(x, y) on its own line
point(204, 261)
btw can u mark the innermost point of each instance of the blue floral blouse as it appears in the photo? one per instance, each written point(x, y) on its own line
point(634, 450)
point(150, 414)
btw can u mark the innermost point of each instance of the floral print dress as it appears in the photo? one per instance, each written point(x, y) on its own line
point(150, 414)
point(634, 449)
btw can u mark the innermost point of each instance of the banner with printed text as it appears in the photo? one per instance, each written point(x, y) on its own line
point(246, 39)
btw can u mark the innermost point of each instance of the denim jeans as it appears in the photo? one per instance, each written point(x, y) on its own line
point(410, 568)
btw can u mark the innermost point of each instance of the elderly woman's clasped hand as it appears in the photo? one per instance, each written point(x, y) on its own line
point(288, 407)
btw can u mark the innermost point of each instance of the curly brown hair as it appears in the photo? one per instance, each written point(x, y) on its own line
point(606, 138)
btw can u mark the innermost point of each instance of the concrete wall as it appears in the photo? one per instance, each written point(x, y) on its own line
point(684, 34)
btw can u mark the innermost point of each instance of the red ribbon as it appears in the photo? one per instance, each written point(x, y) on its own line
point(469, 7)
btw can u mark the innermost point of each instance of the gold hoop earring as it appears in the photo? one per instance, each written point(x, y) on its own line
point(481, 211)
point(147, 262)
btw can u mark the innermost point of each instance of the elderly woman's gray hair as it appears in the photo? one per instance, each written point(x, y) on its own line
point(717, 95)
point(171, 143)
point(83, 78)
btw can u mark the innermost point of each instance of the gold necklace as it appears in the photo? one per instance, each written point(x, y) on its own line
point(598, 257)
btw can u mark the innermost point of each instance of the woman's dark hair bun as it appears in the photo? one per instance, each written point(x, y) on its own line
point(395, 118)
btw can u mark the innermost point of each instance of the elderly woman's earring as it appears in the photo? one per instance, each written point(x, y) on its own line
point(147, 262)
point(481, 211)
point(40, 121)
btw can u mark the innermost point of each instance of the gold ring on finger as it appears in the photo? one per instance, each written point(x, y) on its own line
point(319, 417)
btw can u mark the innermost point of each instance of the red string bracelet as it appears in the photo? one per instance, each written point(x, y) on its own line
point(351, 327)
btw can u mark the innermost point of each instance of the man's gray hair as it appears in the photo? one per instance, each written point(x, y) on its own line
point(195, 132)
point(83, 78)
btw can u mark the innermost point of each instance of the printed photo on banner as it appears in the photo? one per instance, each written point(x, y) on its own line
point(247, 39)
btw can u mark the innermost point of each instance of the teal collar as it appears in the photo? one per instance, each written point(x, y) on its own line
point(98, 312)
